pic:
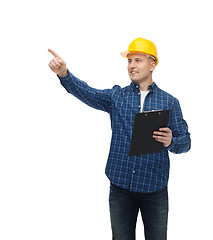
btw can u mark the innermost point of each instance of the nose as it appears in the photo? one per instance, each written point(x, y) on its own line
point(132, 65)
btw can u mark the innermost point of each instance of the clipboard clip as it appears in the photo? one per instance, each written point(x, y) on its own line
point(146, 113)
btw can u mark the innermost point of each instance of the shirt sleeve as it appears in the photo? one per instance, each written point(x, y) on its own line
point(95, 98)
point(181, 141)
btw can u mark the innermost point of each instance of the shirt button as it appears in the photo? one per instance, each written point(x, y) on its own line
point(139, 93)
point(133, 171)
point(139, 106)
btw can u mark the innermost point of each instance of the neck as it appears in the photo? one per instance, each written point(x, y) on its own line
point(145, 84)
point(144, 87)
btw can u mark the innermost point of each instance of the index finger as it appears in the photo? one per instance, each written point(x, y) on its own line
point(54, 53)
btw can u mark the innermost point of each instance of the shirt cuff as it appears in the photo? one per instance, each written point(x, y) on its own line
point(64, 78)
point(171, 147)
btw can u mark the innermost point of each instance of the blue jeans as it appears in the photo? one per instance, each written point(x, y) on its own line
point(124, 208)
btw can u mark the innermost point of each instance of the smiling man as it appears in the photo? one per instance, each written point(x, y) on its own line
point(138, 183)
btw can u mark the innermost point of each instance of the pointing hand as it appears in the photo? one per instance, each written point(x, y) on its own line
point(57, 64)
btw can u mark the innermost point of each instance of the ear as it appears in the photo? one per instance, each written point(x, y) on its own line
point(152, 66)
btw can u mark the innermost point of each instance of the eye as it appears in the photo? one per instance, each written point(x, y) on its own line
point(129, 60)
point(138, 60)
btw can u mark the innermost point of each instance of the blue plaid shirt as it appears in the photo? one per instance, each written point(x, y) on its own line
point(144, 173)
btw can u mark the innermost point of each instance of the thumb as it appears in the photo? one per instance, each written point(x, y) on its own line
point(60, 60)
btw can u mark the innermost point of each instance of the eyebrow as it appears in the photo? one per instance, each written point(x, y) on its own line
point(137, 58)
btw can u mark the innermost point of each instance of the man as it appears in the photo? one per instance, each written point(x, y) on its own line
point(137, 182)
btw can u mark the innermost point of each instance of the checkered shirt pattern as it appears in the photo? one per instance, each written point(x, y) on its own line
point(144, 173)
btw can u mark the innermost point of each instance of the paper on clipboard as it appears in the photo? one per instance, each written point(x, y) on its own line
point(145, 124)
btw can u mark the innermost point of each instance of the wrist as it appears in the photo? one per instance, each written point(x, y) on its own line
point(169, 144)
point(63, 74)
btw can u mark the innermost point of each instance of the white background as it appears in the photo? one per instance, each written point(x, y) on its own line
point(54, 148)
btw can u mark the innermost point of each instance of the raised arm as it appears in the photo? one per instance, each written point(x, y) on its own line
point(98, 99)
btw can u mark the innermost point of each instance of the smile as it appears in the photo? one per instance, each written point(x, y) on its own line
point(133, 72)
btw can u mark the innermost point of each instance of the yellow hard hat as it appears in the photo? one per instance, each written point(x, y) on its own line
point(141, 45)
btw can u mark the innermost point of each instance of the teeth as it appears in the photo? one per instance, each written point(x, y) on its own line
point(133, 72)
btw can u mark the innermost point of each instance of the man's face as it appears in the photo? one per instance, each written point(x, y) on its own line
point(140, 67)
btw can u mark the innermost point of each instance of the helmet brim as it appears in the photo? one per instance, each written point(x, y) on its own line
point(126, 53)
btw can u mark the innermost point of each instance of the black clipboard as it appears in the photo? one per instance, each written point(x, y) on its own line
point(145, 124)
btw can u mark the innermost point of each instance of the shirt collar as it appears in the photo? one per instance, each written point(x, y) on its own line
point(151, 88)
